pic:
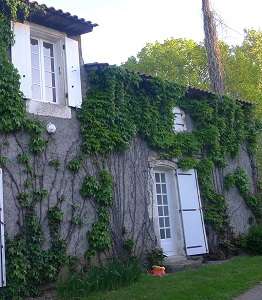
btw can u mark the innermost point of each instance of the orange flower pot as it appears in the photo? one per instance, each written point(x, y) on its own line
point(158, 271)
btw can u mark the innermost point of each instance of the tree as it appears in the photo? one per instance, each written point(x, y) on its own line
point(180, 60)
point(185, 62)
point(215, 69)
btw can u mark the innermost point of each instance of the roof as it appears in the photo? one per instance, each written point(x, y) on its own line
point(58, 19)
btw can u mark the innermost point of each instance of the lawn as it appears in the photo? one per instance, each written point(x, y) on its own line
point(210, 282)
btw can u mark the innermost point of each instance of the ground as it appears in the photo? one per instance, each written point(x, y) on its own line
point(211, 282)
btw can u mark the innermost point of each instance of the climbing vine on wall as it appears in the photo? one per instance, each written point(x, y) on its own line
point(143, 105)
point(239, 179)
point(119, 106)
point(28, 265)
point(100, 191)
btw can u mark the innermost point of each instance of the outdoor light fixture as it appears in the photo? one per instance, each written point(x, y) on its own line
point(51, 128)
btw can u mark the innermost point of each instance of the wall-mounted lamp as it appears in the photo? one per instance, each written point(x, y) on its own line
point(51, 128)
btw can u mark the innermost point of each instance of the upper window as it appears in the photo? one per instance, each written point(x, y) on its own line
point(44, 71)
point(179, 120)
point(49, 66)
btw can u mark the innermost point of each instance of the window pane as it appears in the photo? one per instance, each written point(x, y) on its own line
point(36, 76)
point(167, 223)
point(34, 46)
point(54, 95)
point(157, 177)
point(35, 61)
point(49, 94)
point(36, 90)
point(161, 222)
point(158, 189)
point(163, 177)
point(49, 64)
point(162, 234)
point(168, 234)
point(49, 79)
point(159, 199)
point(48, 49)
point(160, 211)
point(163, 188)
point(164, 199)
point(166, 210)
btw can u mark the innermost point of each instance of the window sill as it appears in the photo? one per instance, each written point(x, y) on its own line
point(48, 109)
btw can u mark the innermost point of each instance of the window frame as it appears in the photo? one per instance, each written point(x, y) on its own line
point(57, 39)
point(179, 126)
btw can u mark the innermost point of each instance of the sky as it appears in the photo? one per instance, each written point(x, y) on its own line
point(125, 26)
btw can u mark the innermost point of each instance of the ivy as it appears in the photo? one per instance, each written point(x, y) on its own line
point(143, 106)
point(100, 191)
point(55, 163)
point(239, 179)
point(74, 165)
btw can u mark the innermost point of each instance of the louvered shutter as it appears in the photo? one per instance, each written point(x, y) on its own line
point(179, 120)
point(21, 57)
point(2, 236)
point(73, 73)
point(192, 215)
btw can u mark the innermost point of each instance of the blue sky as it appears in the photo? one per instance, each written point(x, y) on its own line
point(125, 26)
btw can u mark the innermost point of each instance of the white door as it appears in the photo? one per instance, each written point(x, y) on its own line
point(192, 214)
point(165, 211)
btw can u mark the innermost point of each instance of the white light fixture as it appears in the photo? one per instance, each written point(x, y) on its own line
point(51, 128)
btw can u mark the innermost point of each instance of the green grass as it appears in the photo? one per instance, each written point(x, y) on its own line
point(210, 282)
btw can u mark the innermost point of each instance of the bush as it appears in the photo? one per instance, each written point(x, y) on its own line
point(156, 257)
point(113, 275)
point(253, 242)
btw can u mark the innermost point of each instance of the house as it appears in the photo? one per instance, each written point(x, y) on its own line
point(155, 203)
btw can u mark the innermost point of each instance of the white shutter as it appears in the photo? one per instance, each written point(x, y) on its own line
point(192, 215)
point(179, 120)
point(21, 57)
point(2, 236)
point(73, 73)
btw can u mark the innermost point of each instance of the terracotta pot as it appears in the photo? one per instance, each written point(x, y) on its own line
point(158, 271)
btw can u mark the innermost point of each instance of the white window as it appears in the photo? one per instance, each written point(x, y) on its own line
point(179, 120)
point(162, 205)
point(44, 71)
point(49, 66)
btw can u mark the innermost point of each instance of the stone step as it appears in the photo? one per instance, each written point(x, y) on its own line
point(174, 264)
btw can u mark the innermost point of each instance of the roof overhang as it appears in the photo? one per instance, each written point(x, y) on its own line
point(55, 19)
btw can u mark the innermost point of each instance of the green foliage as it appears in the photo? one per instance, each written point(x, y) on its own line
point(100, 191)
point(215, 208)
point(156, 257)
point(74, 165)
point(28, 265)
point(55, 163)
point(113, 275)
point(3, 161)
point(128, 246)
point(180, 60)
point(239, 179)
point(253, 241)
point(185, 62)
point(55, 217)
point(187, 163)
point(146, 105)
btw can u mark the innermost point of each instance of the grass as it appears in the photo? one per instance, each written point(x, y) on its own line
point(210, 282)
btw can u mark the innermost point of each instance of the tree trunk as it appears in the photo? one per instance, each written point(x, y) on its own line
point(215, 68)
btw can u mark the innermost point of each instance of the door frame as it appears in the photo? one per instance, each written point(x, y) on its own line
point(169, 167)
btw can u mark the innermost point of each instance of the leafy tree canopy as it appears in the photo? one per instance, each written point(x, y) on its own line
point(185, 62)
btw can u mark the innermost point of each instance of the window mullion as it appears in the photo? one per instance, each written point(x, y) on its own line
point(42, 70)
